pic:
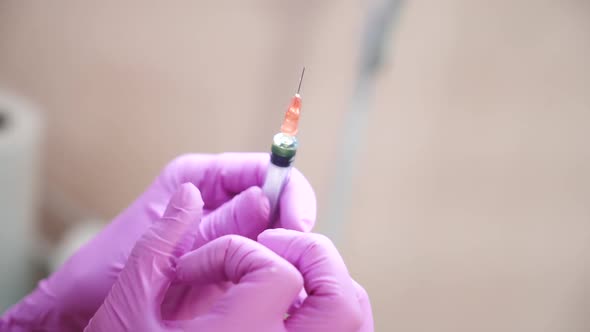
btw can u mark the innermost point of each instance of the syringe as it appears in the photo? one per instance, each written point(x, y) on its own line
point(282, 153)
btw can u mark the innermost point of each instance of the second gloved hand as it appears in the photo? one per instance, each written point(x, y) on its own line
point(266, 280)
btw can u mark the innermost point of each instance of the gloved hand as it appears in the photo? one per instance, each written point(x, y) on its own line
point(265, 283)
point(234, 204)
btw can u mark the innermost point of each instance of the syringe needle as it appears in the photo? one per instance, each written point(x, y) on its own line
point(300, 80)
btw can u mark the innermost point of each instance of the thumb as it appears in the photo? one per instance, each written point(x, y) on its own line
point(149, 270)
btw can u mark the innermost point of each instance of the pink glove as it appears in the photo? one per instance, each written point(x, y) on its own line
point(234, 204)
point(265, 284)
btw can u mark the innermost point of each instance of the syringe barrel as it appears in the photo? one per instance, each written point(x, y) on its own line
point(276, 178)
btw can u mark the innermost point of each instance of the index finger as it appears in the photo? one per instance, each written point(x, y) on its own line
point(297, 207)
point(221, 177)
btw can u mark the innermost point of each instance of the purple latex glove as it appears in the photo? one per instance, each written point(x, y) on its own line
point(266, 284)
point(234, 204)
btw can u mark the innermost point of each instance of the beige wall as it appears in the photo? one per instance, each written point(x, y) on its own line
point(476, 217)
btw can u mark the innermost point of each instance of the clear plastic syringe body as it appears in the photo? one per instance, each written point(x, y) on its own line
point(276, 178)
point(282, 155)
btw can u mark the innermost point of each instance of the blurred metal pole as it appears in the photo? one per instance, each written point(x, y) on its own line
point(379, 23)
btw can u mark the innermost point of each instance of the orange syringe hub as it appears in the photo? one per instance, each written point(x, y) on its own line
point(291, 122)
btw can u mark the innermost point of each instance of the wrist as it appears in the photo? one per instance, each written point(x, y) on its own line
point(35, 311)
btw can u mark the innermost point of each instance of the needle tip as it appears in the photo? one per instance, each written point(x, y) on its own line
point(300, 80)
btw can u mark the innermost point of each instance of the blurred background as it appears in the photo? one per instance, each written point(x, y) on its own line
point(447, 141)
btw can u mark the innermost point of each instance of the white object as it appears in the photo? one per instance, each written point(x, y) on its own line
point(20, 132)
point(78, 235)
